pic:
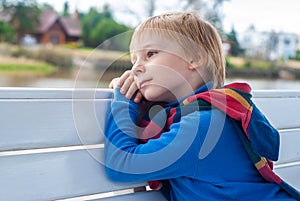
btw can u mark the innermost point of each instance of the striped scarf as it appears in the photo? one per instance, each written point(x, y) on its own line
point(258, 136)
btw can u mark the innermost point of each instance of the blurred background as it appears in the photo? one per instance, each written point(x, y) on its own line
point(54, 43)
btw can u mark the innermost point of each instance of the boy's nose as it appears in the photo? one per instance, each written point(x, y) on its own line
point(138, 68)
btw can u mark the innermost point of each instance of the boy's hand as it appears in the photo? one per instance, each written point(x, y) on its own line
point(127, 86)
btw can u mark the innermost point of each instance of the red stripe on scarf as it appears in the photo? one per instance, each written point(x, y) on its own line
point(151, 131)
point(224, 101)
point(269, 175)
point(170, 120)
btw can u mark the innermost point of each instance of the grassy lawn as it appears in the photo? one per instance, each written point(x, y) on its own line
point(12, 64)
point(44, 68)
point(240, 63)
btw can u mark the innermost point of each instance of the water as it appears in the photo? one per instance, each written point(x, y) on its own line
point(63, 79)
point(258, 84)
point(88, 78)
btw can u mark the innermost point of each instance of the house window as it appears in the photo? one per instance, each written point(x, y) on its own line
point(287, 42)
point(54, 39)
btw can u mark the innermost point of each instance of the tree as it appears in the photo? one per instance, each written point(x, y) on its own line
point(235, 49)
point(106, 29)
point(211, 10)
point(45, 6)
point(66, 9)
point(106, 12)
point(25, 17)
point(6, 32)
point(146, 8)
point(99, 26)
point(88, 23)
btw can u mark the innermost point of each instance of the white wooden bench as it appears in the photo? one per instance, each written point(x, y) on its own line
point(51, 144)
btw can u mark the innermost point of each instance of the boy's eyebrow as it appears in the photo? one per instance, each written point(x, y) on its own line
point(149, 45)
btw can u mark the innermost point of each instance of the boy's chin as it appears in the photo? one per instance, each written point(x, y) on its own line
point(156, 96)
point(151, 96)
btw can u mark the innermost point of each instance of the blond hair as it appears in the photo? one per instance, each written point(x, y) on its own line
point(201, 35)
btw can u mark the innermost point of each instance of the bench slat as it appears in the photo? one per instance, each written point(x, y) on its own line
point(54, 93)
point(56, 122)
point(291, 175)
point(143, 196)
point(50, 123)
point(281, 111)
point(289, 147)
point(57, 175)
point(275, 93)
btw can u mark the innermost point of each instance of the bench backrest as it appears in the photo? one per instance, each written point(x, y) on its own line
point(51, 143)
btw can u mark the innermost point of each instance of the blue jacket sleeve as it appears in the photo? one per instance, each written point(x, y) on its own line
point(166, 157)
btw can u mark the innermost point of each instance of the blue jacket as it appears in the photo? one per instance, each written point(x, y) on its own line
point(220, 171)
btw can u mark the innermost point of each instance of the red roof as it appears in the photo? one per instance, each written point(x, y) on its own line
point(71, 25)
point(7, 14)
point(47, 18)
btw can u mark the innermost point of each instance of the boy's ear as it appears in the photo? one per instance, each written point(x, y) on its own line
point(196, 64)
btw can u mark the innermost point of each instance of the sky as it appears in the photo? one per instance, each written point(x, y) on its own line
point(265, 15)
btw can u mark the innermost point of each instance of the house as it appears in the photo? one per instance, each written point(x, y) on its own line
point(269, 45)
point(57, 30)
point(52, 29)
point(287, 45)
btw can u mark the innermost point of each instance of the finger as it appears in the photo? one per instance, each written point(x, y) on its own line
point(138, 97)
point(114, 83)
point(131, 90)
point(124, 77)
point(127, 84)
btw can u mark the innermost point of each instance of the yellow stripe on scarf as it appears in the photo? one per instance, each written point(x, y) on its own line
point(261, 163)
point(236, 96)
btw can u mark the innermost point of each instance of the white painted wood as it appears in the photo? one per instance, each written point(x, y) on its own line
point(283, 112)
point(276, 93)
point(289, 147)
point(56, 175)
point(280, 106)
point(141, 196)
point(54, 93)
point(34, 123)
point(291, 175)
point(62, 120)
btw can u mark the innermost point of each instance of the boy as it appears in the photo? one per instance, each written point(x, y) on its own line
point(198, 138)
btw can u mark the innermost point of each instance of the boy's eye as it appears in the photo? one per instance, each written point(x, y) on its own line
point(151, 53)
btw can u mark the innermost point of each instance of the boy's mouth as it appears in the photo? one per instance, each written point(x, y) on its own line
point(143, 83)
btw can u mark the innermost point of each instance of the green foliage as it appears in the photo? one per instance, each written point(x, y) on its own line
point(6, 32)
point(21, 52)
point(211, 10)
point(258, 64)
point(66, 9)
point(25, 16)
point(56, 58)
point(229, 64)
point(235, 49)
point(47, 55)
point(297, 55)
point(42, 68)
point(107, 29)
point(98, 27)
point(248, 64)
point(88, 23)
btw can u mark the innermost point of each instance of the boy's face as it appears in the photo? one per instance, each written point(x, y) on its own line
point(160, 70)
